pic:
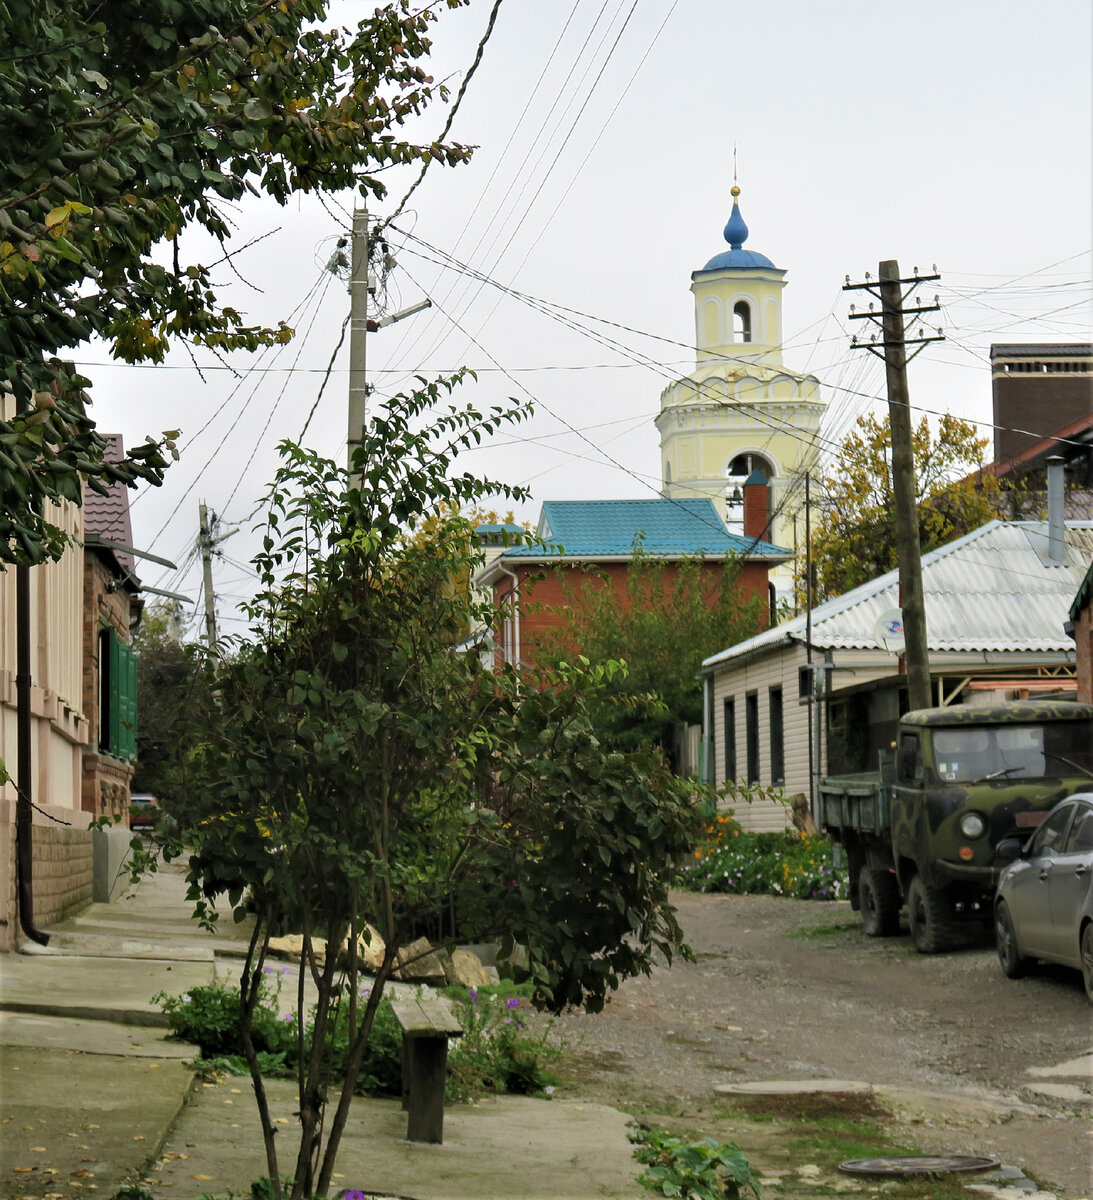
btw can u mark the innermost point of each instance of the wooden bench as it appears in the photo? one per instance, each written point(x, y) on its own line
point(427, 1024)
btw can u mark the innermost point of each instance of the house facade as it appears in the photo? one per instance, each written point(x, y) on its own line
point(68, 605)
point(823, 693)
point(535, 586)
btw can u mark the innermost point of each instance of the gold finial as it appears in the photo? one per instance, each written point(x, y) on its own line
point(734, 191)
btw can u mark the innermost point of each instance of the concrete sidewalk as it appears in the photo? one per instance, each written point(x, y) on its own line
point(93, 1094)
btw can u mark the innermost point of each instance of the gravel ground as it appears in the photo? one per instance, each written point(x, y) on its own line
point(783, 989)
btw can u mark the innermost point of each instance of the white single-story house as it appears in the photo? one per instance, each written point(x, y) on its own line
point(823, 693)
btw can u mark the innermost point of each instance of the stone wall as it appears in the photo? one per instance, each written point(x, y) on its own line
point(63, 872)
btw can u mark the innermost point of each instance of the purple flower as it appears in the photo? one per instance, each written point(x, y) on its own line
point(353, 1194)
point(513, 1003)
point(267, 970)
point(474, 995)
point(285, 971)
point(286, 1016)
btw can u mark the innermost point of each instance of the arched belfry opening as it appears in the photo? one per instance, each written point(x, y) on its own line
point(741, 321)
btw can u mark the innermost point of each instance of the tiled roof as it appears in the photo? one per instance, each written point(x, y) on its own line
point(991, 590)
point(108, 516)
point(598, 529)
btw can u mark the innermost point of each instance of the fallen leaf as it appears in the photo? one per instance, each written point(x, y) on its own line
point(204, 1177)
point(80, 1146)
point(237, 1091)
point(84, 1173)
point(140, 1138)
point(89, 1160)
point(24, 1170)
point(39, 1149)
point(153, 1066)
point(50, 1171)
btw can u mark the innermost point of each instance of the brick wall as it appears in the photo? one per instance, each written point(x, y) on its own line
point(63, 872)
point(1083, 640)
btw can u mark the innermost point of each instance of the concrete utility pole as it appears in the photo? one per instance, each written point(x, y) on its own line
point(892, 348)
point(208, 538)
point(362, 287)
point(359, 290)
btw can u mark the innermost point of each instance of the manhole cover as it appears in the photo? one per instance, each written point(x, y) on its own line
point(919, 1164)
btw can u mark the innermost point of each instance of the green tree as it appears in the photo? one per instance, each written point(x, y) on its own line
point(128, 123)
point(671, 617)
point(171, 682)
point(854, 539)
point(352, 768)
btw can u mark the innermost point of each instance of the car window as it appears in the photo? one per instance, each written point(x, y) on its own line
point(1049, 836)
point(1081, 833)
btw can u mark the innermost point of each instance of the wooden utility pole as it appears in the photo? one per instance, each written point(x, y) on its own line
point(892, 348)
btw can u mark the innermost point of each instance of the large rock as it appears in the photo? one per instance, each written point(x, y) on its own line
point(467, 970)
point(417, 963)
point(291, 947)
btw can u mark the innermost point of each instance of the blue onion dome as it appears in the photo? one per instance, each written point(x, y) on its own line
point(736, 234)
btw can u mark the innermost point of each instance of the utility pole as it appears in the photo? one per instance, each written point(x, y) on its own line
point(359, 290)
point(362, 287)
point(208, 539)
point(892, 348)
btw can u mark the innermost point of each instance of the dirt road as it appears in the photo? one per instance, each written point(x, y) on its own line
point(790, 990)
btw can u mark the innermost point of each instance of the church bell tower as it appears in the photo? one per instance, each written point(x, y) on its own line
point(741, 410)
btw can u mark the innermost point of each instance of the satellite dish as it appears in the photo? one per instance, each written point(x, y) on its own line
point(888, 631)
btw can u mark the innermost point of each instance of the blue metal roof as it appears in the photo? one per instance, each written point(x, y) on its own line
point(597, 529)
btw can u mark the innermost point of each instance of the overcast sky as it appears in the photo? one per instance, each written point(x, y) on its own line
point(954, 133)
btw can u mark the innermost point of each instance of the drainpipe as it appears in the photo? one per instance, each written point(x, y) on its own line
point(1056, 530)
point(707, 730)
point(515, 593)
point(24, 784)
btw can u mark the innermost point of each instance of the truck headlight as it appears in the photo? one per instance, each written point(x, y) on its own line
point(972, 826)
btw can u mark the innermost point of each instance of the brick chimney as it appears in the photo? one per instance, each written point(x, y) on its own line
point(756, 507)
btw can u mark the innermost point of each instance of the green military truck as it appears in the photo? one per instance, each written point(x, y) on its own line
point(922, 832)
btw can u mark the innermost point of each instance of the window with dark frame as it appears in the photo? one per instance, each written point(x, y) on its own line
point(751, 719)
point(777, 739)
point(729, 717)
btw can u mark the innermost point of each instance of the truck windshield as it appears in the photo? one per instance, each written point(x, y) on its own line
point(965, 754)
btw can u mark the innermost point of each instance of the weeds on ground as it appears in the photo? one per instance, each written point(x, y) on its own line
point(498, 1051)
point(699, 1170)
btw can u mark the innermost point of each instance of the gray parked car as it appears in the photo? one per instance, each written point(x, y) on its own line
point(1044, 905)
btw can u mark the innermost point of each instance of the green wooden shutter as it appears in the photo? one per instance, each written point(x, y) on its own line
point(123, 698)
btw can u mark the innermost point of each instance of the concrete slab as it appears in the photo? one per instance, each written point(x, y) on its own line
point(26, 1030)
point(794, 1087)
point(96, 987)
point(1074, 1068)
point(505, 1147)
point(73, 1124)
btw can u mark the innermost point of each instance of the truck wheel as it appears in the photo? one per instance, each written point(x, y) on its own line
point(1014, 964)
point(878, 899)
point(930, 918)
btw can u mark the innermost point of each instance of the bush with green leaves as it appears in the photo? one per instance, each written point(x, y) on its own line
point(499, 1051)
point(704, 1170)
point(774, 864)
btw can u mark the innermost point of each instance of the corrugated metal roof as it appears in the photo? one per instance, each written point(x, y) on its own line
point(991, 590)
point(665, 528)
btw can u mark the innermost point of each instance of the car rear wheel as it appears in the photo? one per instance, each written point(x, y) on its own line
point(1014, 963)
point(1087, 958)
point(879, 902)
point(930, 917)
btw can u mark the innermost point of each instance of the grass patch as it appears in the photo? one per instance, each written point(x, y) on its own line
point(826, 930)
